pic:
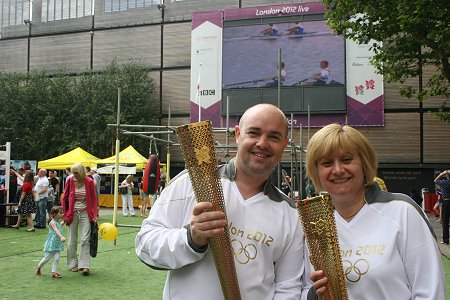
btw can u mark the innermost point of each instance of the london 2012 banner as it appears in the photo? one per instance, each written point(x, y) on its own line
point(240, 53)
point(206, 66)
point(365, 96)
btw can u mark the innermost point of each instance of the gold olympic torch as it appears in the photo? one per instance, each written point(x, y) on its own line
point(197, 145)
point(317, 218)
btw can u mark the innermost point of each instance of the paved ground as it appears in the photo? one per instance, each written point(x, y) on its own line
point(104, 211)
point(445, 249)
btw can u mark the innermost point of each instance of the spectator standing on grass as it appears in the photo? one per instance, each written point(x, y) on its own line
point(41, 197)
point(26, 205)
point(81, 209)
point(443, 181)
point(143, 207)
point(19, 175)
point(12, 185)
point(162, 183)
point(54, 182)
point(54, 243)
point(68, 173)
point(50, 202)
point(88, 173)
point(127, 199)
point(97, 180)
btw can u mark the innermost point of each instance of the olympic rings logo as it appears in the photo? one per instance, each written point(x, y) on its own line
point(353, 272)
point(243, 254)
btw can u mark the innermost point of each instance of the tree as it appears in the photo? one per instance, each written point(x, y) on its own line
point(45, 116)
point(413, 34)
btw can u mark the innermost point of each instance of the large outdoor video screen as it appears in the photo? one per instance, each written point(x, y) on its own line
point(310, 52)
point(324, 78)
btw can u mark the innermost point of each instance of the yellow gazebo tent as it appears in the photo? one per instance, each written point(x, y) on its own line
point(68, 159)
point(128, 155)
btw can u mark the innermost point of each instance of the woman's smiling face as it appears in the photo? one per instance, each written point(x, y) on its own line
point(341, 173)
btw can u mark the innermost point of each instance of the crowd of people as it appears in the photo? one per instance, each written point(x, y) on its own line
point(77, 209)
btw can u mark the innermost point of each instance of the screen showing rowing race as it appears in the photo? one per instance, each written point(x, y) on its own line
point(311, 55)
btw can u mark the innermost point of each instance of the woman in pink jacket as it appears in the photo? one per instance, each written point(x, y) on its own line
point(81, 209)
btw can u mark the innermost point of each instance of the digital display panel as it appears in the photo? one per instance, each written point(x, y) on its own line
point(311, 55)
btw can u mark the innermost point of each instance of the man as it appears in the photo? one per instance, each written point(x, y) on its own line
point(273, 81)
point(54, 182)
point(309, 189)
point(68, 173)
point(297, 29)
point(264, 226)
point(97, 180)
point(443, 181)
point(41, 197)
point(286, 185)
point(272, 30)
point(12, 185)
point(323, 76)
point(19, 175)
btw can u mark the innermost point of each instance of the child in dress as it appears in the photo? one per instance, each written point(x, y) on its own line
point(54, 243)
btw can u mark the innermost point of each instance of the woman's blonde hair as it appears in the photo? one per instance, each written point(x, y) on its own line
point(79, 171)
point(332, 138)
point(129, 178)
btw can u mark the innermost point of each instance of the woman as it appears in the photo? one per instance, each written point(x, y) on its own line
point(127, 199)
point(382, 236)
point(143, 207)
point(81, 209)
point(27, 205)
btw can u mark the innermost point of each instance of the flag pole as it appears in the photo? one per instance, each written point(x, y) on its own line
point(198, 93)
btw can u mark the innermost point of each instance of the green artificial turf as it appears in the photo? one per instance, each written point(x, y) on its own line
point(116, 272)
point(446, 264)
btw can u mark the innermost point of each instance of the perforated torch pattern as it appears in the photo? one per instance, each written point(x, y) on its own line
point(197, 146)
point(318, 223)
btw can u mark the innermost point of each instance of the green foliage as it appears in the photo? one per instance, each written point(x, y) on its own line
point(45, 116)
point(413, 34)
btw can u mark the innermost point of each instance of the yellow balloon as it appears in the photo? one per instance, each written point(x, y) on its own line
point(108, 231)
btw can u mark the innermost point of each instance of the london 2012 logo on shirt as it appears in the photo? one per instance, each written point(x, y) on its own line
point(243, 253)
point(354, 271)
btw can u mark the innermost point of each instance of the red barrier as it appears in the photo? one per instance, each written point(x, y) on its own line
point(429, 200)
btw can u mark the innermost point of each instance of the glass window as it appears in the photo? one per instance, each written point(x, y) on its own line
point(123, 5)
point(53, 10)
point(14, 12)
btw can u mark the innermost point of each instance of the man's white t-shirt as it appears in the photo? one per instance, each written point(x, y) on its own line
point(40, 185)
point(265, 235)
